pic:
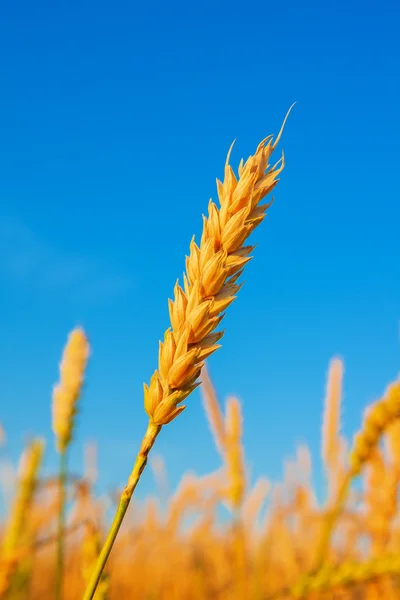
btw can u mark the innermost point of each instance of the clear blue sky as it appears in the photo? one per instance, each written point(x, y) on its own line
point(115, 120)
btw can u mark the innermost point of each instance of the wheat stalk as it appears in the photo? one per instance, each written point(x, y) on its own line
point(227, 435)
point(378, 418)
point(65, 399)
point(209, 287)
point(234, 455)
point(26, 486)
point(213, 412)
point(331, 424)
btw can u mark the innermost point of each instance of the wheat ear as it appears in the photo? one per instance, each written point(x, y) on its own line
point(26, 486)
point(209, 287)
point(65, 399)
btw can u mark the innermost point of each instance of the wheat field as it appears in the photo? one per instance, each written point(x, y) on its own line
point(176, 547)
point(280, 542)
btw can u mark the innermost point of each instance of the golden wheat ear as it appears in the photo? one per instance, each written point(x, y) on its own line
point(210, 283)
point(67, 392)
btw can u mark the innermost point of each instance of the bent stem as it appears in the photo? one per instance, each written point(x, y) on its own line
point(61, 523)
point(140, 463)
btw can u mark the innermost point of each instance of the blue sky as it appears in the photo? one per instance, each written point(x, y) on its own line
point(115, 121)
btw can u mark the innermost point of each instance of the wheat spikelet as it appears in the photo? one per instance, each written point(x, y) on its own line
point(210, 282)
point(26, 485)
point(66, 393)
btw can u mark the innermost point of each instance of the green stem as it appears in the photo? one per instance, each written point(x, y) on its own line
point(61, 523)
point(140, 463)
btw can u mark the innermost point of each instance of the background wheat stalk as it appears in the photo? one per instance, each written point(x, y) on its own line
point(209, 287)
point(379, 417)
point(227, 433)
point(65, 398)
point(17, 524)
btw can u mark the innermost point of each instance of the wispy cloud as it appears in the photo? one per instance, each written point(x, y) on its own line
point(27, 259)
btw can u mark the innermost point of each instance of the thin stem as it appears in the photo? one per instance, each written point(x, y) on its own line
point(140, 463)
point(62, 478)
point(330, 520)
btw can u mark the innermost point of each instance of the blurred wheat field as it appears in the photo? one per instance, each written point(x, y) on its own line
point(281, 540)
point(174, 546)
